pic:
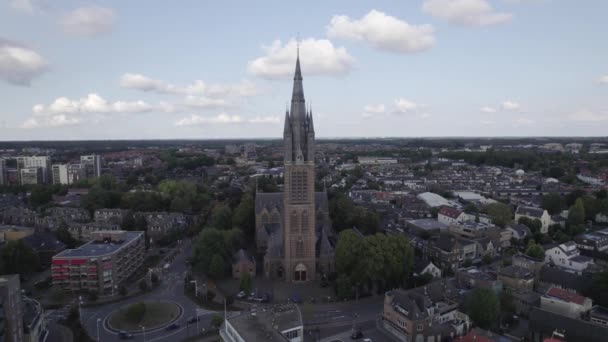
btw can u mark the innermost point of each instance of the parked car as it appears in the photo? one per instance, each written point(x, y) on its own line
point(194, 319)
point(367, 340)
point(296, 299)
point(123, 335)
point(241, 295)
point(172, 326)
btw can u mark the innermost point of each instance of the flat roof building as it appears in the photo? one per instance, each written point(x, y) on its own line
point(101, 264)
point(272, 323)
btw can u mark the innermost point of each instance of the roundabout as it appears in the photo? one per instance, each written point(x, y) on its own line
point(144, 315)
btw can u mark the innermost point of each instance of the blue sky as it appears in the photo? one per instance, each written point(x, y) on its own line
point(201, 69)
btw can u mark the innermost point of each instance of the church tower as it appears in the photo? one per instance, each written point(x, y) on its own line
point(299, 187)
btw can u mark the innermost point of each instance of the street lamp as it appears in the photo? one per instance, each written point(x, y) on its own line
point(98, 320)
point(143, 329)
point(79, 310)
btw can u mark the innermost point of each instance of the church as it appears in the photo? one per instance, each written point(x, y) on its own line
point(293, 229)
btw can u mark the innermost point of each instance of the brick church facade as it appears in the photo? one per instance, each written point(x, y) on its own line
point(293, 230)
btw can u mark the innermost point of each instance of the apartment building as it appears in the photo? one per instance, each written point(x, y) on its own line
point(100, 265)
point(60, 174)
point(3, 178)
point(92, 165)
point(42, 163)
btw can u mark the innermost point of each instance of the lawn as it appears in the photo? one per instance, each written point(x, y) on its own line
point(156, 314)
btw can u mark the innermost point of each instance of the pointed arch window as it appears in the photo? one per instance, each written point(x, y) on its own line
point(300, 249)
point(264, 218)
point(294, 220)
point(304, 220)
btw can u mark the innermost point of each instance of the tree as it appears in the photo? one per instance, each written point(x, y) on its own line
point(245, 284)
point(143, 286)
point(221, 217)
point(552, 203)
point(216, 267)
point(154, 278)
point(483, 307)
point(62, 234)
point(500, 214)
point(576, 214)
point(535, 251)
point(244, 216)
point(135, 312)
point(18, 258)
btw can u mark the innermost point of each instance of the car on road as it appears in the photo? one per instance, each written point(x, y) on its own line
point(367, 340)
point(356, 335)
point(296, 299)
point(194, 319)
point(123, 335)
point(172, 326)
point(241, 295)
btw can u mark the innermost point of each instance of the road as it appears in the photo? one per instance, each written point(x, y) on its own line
point(170, 290)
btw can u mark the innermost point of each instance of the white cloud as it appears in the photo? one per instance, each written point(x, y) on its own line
point(405, 106)
point(371, 110)
point(58, 120)
point(465, 12)
point(197, 88)
point(19, 65)
point(205, 102)
point(487, 109)
point(93, 103)
point(383, 31)
point(88, 21)
point(223, 118)
point(487, 122)
point(603, 79)
point(510, 105)
point(318, 57)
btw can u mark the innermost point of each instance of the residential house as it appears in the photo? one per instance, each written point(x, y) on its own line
point(516, 277)
point(566, 255)
point(534, 213)
point(532, 264)
point(472, 277)
point(243, 263)
point(519, 231)
point(426, 267)
point(448, 215)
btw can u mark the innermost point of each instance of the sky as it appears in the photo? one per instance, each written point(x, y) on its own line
point(153, 69)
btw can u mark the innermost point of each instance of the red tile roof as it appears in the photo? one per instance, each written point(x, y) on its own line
point(450, 212)
point(566, 295)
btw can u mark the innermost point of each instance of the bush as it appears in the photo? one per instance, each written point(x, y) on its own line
point(135, 313)
point(216, 321)
point(245, 282)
